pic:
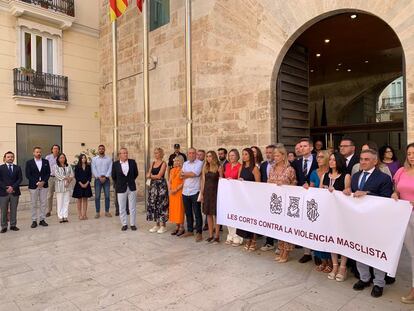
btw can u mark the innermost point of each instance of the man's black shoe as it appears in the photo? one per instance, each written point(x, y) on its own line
point(124, 228)
point(388, 279)
point(4, 230)
point(34, 224)
point(376, 291)
point(305, 258)
point(43, 223)
point(133, 228)
point(14, 228)
point(360, 285)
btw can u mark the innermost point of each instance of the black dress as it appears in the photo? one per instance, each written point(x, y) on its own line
point(83, 176)
point(338, 183)
point(158, 199)
point(210, 193)
point(247, 175)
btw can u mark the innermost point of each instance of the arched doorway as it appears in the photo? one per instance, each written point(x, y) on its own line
point(343, 76)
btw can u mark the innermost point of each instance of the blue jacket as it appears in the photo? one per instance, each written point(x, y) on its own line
point(378, 184)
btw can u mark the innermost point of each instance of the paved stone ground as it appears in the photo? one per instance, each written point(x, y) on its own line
point(92, 265)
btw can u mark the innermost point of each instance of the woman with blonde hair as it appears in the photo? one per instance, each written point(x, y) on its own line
point(231, 171)
point(157, 204)
point(208, 194)
point(280, 174)
point(175, 189)
point(322, 157)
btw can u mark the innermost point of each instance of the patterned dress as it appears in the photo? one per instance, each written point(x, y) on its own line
point(286, 176)
point(157, 204)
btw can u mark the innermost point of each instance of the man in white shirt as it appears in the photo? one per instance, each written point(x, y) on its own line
point(191, 172)
point(52, 157)
point(101, 169)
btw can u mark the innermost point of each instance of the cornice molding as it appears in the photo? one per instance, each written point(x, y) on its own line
point(20, 8)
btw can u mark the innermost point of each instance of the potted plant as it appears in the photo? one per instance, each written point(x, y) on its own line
point(27, 73)
point(44, 4)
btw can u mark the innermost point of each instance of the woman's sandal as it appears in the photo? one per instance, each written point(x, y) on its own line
point(252, 247)
point(333, 273)
point(247, 245)
point(341, 277)
point(328, 269)
point(321, 268)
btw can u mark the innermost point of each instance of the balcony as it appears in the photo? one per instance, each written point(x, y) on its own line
point(392, 103)
point(63, 6)
point(59, 12)
point(40, 89)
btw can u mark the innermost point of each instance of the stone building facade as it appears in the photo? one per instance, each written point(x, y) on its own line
point(238, 47)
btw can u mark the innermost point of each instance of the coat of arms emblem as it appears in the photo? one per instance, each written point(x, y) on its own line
point(276, 204)
point(293, 209)
point(312, 210)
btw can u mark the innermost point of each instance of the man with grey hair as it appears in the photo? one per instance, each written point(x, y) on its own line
point(191, 172)
point(370, 181)
point(124, 173)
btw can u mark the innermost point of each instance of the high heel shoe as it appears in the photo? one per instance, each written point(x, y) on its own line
point(409, 299)
point(332, 275)
point(340, 277)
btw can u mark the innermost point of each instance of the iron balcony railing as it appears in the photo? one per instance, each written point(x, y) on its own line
point(392, 103)
point(28, 82)
point(63, 6)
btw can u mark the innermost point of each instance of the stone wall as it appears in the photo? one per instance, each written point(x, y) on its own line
point(238, 47)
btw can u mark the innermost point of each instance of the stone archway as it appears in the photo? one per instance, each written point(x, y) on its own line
point(285, 131)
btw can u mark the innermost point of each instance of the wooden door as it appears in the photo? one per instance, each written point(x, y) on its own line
point(292, 97)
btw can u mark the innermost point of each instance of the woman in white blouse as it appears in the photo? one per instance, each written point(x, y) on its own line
point(64, 176)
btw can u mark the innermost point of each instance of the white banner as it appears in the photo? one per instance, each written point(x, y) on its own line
point(370, 230)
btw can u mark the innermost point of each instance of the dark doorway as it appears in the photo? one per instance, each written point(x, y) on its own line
point(355, 85)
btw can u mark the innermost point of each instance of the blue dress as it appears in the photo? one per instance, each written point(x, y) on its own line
point(314, 178)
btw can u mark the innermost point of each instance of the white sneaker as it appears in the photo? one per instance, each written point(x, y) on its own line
point(267, 247)
point(154, 229)
point(163, 229)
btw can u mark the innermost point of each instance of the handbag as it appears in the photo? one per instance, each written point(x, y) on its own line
point(148, 182)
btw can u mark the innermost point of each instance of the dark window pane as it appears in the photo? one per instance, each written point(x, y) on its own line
point(39, 56)
point(29, 136)
point(28, 50)
point(159, 13)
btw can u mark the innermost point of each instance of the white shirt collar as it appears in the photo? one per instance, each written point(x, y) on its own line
point(370, 171)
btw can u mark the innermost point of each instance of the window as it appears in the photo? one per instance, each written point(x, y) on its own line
point(159, 13)
point(39, 52)
point(32, 135)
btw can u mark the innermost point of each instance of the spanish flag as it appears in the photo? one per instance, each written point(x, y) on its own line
point(117, 8)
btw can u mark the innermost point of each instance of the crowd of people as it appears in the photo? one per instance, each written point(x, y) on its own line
point(184, 188)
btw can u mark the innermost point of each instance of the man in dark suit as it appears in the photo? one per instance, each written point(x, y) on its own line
point(370, 181)
point(124, 173)
point(264, 175)
point(306, 163)
point(10, 179)
point(347, 149)
point(38, 173)
point(303, 167)
point(222, 156)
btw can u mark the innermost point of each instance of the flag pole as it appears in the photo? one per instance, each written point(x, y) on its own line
point(115, 88)
point(146, 93)
point(188, 71)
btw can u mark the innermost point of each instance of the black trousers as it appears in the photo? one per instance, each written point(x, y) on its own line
point(193, 208)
